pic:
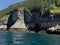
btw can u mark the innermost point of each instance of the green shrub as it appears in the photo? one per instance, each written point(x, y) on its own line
point(52, 7)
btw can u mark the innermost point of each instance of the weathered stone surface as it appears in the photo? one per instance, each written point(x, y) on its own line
point(19, 23)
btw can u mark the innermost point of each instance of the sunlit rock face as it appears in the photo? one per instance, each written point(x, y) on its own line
point(44, 22)
point(18, 24)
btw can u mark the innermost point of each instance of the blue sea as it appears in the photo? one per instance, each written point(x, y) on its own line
point(17, 38)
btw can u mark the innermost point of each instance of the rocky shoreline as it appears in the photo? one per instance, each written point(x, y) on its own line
point(25, 30)
point(19, 26)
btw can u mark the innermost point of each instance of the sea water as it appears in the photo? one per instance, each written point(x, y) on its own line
point(17, 38)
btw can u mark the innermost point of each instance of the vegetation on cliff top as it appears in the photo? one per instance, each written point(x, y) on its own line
point(43, 6)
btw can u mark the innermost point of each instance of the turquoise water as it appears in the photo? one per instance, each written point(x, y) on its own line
point(16, 38)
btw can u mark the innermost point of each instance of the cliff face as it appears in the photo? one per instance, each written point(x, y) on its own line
point(19, 23)
point(43, 21)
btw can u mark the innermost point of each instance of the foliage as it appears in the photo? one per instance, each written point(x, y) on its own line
point(42, 5)
point(52, 7)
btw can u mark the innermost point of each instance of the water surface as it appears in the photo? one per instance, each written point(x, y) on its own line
point(17, 38)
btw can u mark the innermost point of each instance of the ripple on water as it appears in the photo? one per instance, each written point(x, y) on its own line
point(17, 38)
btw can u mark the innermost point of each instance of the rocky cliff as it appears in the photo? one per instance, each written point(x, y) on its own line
point(19, 23)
